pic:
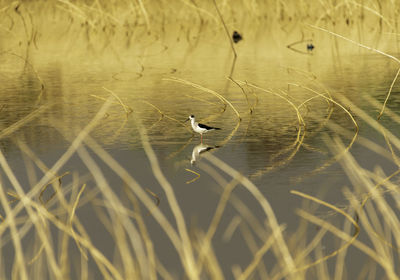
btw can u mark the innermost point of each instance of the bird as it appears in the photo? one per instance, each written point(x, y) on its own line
point(310, 47)
point(199, 127)
point(236, 37)
point(198, 150)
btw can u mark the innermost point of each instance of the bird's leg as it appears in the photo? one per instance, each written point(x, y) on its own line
point(201, 138)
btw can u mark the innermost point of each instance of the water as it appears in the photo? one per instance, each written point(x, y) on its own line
point(263, 145)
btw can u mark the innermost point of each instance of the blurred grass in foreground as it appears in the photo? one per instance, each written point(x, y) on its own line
point(55, 212)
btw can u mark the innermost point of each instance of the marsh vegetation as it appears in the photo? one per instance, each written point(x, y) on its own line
point(101, 178)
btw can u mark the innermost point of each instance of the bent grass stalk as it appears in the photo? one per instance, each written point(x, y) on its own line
point(369, 196)
point(189, 262)
point(244, 93)
point(340, 259)
point(127, 109)
point(34, 217)
point(113, 200)
point(25, 201)
point(145, 235)
point(251, 243)
point(373, 123)
point(138, 190)
point(286, 258)
point(371, 49)
point(58, 178)
point(219, 96)
point(44, 169)
point(338, 210)
point(19, 255)
point(346, 237)
point(311, 245)
point(72, 218)
point(156, 197)
point(300, 118)
point(97, 255)
point(235, 201)
point(165, 115)
point(206, 240)
point(118, 102)
point(348, 147)
point(389, 145)
point(195, 178)
point(388, 95)
point(257, 258)
point(66, 206)
point(330, 100)
point(231, 228)
point(60, 162)
point(241, 208)
point(299, 137)
point(42, 86)
point(17, 125)
point(360, 178)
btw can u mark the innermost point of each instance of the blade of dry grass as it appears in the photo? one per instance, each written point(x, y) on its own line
point(285, 257)
point(346, 237)
point(20, 266)
point(61, 161)
point(219, 96)
point(338, 210)
point(189, 262)
point(38, 222)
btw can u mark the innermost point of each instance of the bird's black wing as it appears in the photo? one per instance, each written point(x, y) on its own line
point(207, 127)
point(205, 150)
point(208, 149)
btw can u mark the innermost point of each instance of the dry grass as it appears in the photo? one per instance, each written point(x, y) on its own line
point(44, 225)
point(135, 246)
point(130, 231)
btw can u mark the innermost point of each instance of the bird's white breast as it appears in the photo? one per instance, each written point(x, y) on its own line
point(197, 128)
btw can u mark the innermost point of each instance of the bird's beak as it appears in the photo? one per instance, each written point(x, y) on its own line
point(187, 119)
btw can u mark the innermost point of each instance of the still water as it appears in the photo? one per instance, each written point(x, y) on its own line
point(262, 145)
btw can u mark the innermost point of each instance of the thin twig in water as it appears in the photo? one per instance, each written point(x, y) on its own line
point(244, 93)
point(42, 86)
point(226, 29)
point(195, 178)
point(153, 195)
point(127, 111)
point(388, 95)
point(48, 184)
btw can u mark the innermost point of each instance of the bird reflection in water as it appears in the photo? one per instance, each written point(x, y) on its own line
point(200, 149)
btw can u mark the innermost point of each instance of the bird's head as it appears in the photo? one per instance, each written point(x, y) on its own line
point(191, 117)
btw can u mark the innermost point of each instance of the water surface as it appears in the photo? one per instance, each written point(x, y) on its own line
point(262, 145)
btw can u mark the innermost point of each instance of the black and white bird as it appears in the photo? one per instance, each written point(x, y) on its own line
point(236, 37)
point(199, 127)
point(198, 150)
